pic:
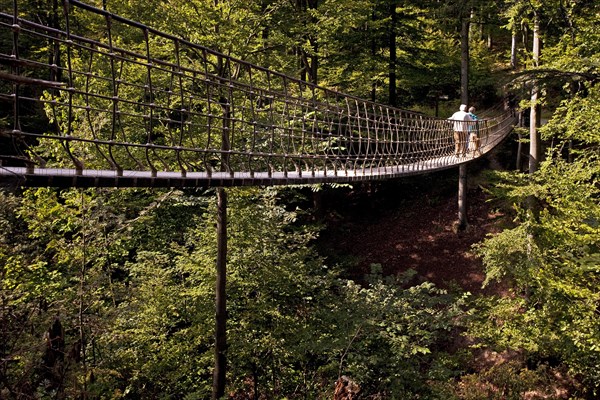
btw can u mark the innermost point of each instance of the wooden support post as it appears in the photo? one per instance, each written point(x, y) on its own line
point(221, 263)
point(221, 297)
point(462, 197)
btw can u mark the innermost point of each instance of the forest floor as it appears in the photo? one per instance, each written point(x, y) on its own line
point(419, 234)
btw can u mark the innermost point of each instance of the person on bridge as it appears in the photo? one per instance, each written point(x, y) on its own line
point(473, 139)
point(461, 120)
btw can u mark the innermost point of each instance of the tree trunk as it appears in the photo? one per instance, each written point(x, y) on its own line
point(373, 54)
point(309, 63)
point(534, 135)
point(393, 100)
point(314, 62)
point(314, 42)
point(513, 51)
point(490, 41)
point(464, 61)
point(54, 53)
point(464, 98)
point(519, 162)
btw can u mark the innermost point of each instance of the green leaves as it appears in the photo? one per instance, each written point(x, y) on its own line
point(391, 333)
point(577, 118)
point(549, 257)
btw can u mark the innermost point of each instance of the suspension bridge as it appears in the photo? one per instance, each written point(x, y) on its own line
point(125, 105)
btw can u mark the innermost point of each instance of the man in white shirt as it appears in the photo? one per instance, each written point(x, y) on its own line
point(461, 120)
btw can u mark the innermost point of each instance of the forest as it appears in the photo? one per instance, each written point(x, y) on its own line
point(109, 293)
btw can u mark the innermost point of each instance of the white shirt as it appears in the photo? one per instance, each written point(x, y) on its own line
point(459, 117)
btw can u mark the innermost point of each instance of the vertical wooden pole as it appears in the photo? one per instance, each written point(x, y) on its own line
point(221, 263)
point(221, 297)
point(462, 197)
point(82, 304)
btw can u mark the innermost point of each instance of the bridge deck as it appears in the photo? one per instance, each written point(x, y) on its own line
point(60, 177)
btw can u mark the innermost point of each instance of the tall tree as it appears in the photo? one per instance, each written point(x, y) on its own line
point(534, 117)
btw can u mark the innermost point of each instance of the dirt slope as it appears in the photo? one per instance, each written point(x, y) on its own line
point(417, 234)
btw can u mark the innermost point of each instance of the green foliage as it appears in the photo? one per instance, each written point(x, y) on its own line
point(551, 259)
point(394, 335)
point(577, 118)
point(286, 327)
point(130, 275)
point(64, 260)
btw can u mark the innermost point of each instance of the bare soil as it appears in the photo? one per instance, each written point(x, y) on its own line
point(417, 233)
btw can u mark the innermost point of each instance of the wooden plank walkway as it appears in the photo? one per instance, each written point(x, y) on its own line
point(57, 177)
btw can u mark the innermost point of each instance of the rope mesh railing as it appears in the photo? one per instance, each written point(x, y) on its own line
point(129, 105)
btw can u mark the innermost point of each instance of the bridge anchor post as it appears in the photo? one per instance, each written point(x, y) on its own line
point(462, 222)
point(221, 297)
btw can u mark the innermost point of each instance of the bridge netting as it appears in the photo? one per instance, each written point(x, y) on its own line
point(127, 105)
